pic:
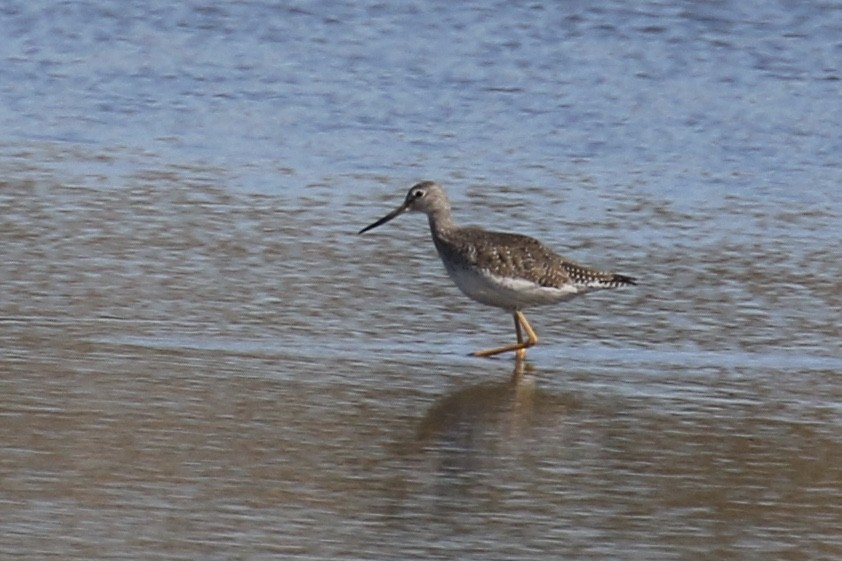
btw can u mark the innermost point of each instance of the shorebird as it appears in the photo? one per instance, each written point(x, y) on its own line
point(508, 271)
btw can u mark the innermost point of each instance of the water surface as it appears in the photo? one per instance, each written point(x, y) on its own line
point(199, 358)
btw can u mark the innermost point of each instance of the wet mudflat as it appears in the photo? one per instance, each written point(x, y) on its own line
point(189, 372)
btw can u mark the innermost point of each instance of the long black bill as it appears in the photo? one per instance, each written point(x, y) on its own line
point(398, 211)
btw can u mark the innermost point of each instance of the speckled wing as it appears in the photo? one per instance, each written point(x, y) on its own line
point(523, 257)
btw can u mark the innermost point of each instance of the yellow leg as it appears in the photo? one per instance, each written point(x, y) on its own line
point(520, 354)
point(517, 329)
point(520, 347)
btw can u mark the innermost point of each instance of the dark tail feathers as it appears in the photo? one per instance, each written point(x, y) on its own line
point(622, 280)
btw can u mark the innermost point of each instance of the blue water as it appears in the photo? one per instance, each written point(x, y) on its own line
point(681, 98)
point(200, 359)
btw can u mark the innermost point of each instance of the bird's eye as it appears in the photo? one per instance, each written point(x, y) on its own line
point(418, 194)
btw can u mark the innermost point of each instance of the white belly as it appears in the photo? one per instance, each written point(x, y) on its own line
point(507, 293)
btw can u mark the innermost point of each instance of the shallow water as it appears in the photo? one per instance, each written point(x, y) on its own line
point(199, 358)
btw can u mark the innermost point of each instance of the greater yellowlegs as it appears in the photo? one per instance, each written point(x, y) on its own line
point(508, 271)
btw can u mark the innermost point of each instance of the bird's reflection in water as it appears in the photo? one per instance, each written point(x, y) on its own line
point(465, 430)
point(470, 409)
point(474, 444)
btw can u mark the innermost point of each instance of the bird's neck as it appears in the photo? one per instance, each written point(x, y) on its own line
point(441, 222)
